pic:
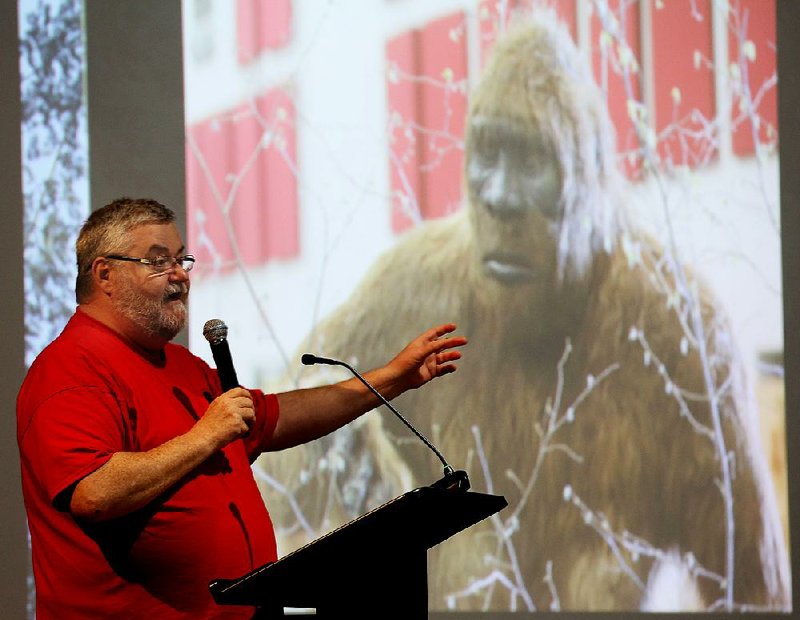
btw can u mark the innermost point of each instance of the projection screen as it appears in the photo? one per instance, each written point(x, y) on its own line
point(588, 189)
point(360, 171)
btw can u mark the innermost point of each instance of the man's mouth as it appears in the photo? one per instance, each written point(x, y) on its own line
point(176, 295)
point(508, 268)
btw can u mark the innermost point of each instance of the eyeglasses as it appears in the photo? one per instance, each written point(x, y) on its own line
point(159, 264)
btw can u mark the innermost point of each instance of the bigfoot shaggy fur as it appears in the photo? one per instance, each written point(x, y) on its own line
point(600, 392)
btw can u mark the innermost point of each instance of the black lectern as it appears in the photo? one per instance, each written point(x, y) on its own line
point(375, 564)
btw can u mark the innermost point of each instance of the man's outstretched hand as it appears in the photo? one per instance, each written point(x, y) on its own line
point(310, 413)
point(431, 354)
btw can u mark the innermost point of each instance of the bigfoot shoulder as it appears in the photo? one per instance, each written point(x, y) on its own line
point(654, 311)
point(407, 288)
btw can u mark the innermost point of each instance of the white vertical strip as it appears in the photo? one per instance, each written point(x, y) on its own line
point(722, 91)
point(647, 63)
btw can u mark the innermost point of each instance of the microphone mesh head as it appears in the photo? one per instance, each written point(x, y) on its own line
point(215, 331)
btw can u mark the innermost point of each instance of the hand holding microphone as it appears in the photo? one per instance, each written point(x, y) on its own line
point(228, 417)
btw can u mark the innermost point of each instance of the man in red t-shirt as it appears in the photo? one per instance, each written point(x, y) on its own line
point(135, 465)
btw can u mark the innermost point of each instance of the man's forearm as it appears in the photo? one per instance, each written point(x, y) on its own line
point(131, 480)
point(310, 413)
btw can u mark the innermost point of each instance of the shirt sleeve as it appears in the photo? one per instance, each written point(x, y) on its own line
point(267, 412)
point(71, 435)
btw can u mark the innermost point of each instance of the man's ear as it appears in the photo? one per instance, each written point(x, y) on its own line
point(101, 275)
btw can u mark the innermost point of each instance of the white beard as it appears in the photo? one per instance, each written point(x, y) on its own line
point(150, 313)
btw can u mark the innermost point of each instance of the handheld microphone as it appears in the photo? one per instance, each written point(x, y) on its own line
point(452, 480)
point(216, 332)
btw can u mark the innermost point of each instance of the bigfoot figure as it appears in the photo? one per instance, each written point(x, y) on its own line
point(601, 393)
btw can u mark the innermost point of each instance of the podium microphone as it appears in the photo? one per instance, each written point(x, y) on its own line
point(216, 332)
point(452, 480)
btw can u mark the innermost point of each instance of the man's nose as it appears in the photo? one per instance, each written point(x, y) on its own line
point(178, 274)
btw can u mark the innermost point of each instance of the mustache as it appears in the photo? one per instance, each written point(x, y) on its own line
point(178, 288)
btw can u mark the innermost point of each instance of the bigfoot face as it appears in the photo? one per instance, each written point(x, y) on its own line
point(514, 187)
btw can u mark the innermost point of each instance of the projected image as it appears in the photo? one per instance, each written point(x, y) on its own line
point(601, 221)
point(54, 146)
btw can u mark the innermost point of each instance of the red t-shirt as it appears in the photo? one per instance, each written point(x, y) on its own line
point(91, 394)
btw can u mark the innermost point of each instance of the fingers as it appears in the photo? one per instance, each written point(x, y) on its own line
point(448, 356)
point(434, 334)
point(229, 416)
point(246, 410)
point(243, 407)
point(443, 344)
point(441, 330)
point(445, 370)
point(444, 365)
point(238, 392)
point(436, 348)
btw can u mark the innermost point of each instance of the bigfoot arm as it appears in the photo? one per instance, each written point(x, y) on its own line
point(308, 414)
